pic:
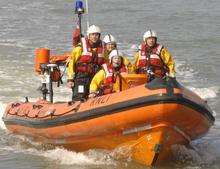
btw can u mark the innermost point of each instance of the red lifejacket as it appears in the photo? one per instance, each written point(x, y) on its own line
point(111, 77)
point(152, 59)
point(91, 59)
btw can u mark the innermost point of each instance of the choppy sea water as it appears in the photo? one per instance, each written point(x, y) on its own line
point(188, 28)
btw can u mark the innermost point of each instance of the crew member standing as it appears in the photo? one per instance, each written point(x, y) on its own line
point(84, 62)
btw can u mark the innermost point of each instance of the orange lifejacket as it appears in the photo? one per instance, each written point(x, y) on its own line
point(111, 77)
point(91, 59)
point(151, 59)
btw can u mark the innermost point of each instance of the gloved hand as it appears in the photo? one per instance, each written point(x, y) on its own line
point(171, 75)
point(70, 83)
point(92, 95)
point(149, 71)
point(76, 37)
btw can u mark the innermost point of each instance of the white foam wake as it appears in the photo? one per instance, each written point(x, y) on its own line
point(66, 157)
point(206, 93)
point(20, 144)
point(201, 153)
point(2, 109)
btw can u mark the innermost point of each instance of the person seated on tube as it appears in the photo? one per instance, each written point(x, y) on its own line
point(154, 58)
point(108, 80)
point(111, 44)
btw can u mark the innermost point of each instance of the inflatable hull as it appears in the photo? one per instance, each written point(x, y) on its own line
point(143, 122)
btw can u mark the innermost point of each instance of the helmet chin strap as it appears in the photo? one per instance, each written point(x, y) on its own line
point(96, 43)
point(115, 65)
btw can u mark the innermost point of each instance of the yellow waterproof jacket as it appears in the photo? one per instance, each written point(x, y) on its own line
point(74, 57)
point(165, 56)
point(128, 64)
point(98, 80)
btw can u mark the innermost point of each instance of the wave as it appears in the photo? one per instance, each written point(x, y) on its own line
point(59, 155)
point(91, 157)
point(188, 76)
point(21, 43)
point(2, 109)
point(200, 153)
point(206, 93)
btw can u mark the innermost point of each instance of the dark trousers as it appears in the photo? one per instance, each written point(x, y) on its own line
point(81, 87)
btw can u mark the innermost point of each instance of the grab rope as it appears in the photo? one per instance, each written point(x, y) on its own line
point(50, 113)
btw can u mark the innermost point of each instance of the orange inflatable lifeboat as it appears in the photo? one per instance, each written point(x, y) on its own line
point(142, 122)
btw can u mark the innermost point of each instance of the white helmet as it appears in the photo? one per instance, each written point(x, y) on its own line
point(114, 53)
point(149, 33)
point(93, 29)
point(109, 39)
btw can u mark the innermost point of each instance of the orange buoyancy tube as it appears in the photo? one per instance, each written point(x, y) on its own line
point(42, 56)
point(60, 58)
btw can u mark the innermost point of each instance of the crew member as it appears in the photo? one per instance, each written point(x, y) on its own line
point(154, 58)
point(108, 80)
point(111, 44)
point(85, 61)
